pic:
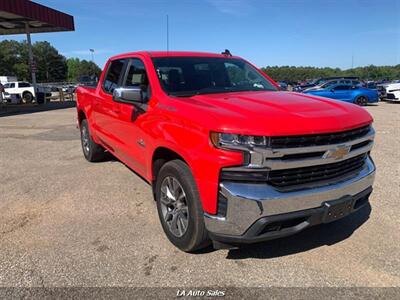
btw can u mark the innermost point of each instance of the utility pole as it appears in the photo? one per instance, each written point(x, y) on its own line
point(167, 33)
point(32, 64)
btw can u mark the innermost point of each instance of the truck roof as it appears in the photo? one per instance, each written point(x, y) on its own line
point(170, 54)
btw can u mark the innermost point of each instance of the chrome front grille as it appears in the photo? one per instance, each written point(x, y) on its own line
point(318, 139)
point(306, 160)
point(299, 176)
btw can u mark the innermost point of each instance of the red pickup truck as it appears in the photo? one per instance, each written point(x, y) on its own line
point(230, 158)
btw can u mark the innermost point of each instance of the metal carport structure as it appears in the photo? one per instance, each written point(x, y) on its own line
point(26, 17)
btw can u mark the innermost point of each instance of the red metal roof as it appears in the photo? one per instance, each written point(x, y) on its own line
point(15, 13)
point(171, 54)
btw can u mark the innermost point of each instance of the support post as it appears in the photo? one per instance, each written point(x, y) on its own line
point(31, 62)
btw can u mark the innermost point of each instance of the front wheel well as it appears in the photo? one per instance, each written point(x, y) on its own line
point(161, 156)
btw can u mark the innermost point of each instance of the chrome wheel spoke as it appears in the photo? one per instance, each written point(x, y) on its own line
point(85, 139)
point(174, 223)
point(169, 217)
point(174, 207)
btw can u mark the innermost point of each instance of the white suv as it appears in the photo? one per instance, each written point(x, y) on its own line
point(22, 88)
point(393, 91)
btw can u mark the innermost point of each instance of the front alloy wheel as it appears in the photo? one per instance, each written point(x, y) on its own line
point(174, 207)
point(179, 207)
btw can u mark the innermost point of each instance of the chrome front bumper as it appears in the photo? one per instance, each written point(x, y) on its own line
point(248, 202)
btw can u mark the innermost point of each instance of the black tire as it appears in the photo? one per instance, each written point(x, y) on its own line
point(92, 151)
point(28, 97)
point(196, 236)
point(362, 101)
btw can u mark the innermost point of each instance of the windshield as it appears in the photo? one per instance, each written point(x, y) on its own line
point(188, 76)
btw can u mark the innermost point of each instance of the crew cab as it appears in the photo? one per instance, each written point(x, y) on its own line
point(24, 89)
point(231, 159)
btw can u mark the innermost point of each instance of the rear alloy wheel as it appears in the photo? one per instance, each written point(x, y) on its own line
point(28, 97)
point(92, 151)
point(179, 207)
point(362, 101)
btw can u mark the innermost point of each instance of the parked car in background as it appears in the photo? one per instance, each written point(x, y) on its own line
point(334, 82)
point(349, 93)
point(381, 88)
point(322, 80)
point(22, 88)
point(283, 85)
point(69, 88)
point(392, 91)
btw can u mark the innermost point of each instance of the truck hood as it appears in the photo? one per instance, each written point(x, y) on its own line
point(276, 113)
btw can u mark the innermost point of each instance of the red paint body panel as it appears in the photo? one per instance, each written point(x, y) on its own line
point(183, 125)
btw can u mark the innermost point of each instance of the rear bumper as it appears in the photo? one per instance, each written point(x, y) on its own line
point(251, 207)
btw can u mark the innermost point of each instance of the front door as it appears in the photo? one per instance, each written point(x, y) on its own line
point(341, 92)
point(127, 129)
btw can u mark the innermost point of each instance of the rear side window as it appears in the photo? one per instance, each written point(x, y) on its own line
point(112, 79)
point(24, 84)
point(342, 87)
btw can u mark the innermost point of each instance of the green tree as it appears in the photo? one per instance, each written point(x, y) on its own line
point(12, 59)
point(78, 68)
point(51, 65)
point(291, 73)
point(73, 69)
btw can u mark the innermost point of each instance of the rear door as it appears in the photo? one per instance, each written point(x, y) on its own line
point(105, 110)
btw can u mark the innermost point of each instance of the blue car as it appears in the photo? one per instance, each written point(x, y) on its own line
point(349, 93)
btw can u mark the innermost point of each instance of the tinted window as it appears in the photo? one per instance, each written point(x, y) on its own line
point(329, 83)
point(188, 76)
point(23, 84)
point(341, 88)
point(136, 75)
point(9, 85)
point(113, 75)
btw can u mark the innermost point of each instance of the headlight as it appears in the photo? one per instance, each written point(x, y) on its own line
point(236, 141)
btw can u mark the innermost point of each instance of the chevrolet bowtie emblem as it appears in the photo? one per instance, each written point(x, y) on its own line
point(337, 153)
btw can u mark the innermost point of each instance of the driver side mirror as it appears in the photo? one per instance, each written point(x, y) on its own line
point(128, 95)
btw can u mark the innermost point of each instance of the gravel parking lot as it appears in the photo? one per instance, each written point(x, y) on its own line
point(67, 222)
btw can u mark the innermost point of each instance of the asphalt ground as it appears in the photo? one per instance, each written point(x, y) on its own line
point(65, 222)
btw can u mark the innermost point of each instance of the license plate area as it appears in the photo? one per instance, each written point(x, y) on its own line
point(337, 209)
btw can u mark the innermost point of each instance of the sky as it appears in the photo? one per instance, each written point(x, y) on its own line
point(320, 33)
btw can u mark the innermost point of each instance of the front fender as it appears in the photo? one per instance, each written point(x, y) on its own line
point(192, 143)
